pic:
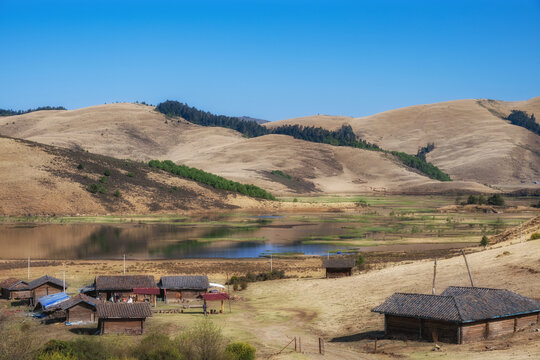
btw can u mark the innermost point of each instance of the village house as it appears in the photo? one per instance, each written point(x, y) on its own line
point(338, 266)
point(45, 285)
point(459, 315)
point(11, 289)
point(50, 303)
point(126, 288)
point(122, 318)
point(176, 288)
point(80, 308)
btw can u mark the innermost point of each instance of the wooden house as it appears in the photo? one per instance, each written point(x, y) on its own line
point(80, 308)
point(122, 318)
point(176, 288)
point(13, 289)
point(121, 288)
point(459, 315)
point(43, 286)
point(338, 266)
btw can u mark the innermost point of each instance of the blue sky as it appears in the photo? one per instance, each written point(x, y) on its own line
point(268, 59)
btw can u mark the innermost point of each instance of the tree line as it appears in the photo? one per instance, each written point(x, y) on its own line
point(343, 136)
point(213, 180)
point(521, 118)
point(9, 112)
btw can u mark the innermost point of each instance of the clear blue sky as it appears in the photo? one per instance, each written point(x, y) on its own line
point(268, 59)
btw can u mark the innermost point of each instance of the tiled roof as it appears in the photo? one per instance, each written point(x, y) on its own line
point(459, 304)
point(6, 284)
point(124, 282)
point(19, 285)
point(43, 280)
point(338, 262)
point(197, 282)
point(77, 300)
point(106, 310)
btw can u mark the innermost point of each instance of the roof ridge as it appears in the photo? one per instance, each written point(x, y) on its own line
point(457, 308)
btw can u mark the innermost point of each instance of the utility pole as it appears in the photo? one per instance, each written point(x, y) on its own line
point(468, 269)
point(434, 276)
point(64, 278)
point(28, 267)
point(271, 262)
point(520, 232)
point(124, 264)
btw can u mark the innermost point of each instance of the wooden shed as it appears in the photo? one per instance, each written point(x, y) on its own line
point(80, 308)
point(176, 288)
point(121, 288)
point(459, 315)
point(11, 289)
point(122, 318)
point(43, 286)
point(338, 266)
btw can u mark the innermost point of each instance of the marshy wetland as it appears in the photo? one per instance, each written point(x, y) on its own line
point(375, 223)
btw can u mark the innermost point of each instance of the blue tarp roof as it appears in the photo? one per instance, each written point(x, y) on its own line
point(52, 300)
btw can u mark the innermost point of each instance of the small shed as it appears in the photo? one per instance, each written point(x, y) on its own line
point(459, 315)
point(80, 308)
point(19, 291)
point(50, 302)
point(121, 288)
point(122, 318)
point(43, 286)
point(338, 266)
point(6, 285)
point(176, 288)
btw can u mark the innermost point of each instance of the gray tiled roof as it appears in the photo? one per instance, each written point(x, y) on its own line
point(124, 282)
point(106, 310)
point(195, 282)
point(43, 280)
point(459, 304)
point(338, 262)
point(77, 300)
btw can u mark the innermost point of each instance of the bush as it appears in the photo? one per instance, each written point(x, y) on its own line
point(281, 173)
point(360, 261)
point(117, 193)
point(156, 347)
point(130, 174)
point(80, 166)
point(204, 341)
point(241, 351)
point(107, 172)
point(535, 236)
point(240, 282)
point(103, 180)
point(96, 188)
point(243, 285)
point(80, 349)
point(484, 242)
point(496, 199)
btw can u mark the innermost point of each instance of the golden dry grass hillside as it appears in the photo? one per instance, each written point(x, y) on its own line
point(138, 132)
point(44, 180)
point(472, 140)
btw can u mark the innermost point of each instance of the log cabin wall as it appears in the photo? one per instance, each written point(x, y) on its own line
point(444, 331)
point(337, 273)
point(122, 326)
point(45, 289)
point(81, 312)
point(399, 325)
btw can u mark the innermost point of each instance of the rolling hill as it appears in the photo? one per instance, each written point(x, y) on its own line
point(138, 132)
point(472, 140)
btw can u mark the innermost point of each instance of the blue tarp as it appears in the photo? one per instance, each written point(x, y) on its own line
point(52, 300)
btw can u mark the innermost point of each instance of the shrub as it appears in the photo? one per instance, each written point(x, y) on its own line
point(204, 341)
point(241, 351)
point(130, 174)
point(96, 188)
point(360, 261)
point(281, 173)
point(243, 285)
point(117, 193)
point(535, 236)
point(484, 242)
point(156, 347)
point(495, 199)
point(107, 172)
point(103, 180)
point(295, 200)
point(80, 166)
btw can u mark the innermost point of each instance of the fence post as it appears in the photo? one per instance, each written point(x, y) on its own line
point(375, 350)
point(300, 344)
point(321, 346)
point(295, 348)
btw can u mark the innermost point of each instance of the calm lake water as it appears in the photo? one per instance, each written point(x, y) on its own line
point(235, 238)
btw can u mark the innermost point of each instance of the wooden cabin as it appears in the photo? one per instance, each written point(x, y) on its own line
point(11, 289)
point(122, 318)
point(80, 308)
point(459, 315)
point(121, 288)
point(338, 266)
point(43, 286)
point(176, 288)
